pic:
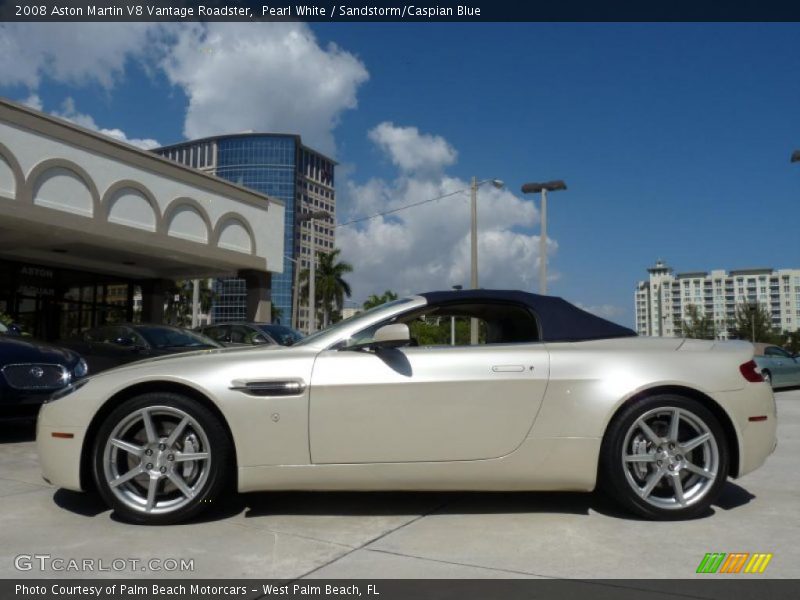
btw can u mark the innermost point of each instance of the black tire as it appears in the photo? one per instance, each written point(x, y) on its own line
point(209, 480)
point(618, 477)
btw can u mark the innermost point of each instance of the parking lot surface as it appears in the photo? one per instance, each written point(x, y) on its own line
point(402, 535)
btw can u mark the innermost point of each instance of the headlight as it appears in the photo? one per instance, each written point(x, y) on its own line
point(81, 369)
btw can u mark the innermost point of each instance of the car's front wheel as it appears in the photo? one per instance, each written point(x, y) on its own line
point(665, 457)
point(160, 458)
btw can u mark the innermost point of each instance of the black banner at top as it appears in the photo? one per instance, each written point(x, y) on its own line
point(401, 10)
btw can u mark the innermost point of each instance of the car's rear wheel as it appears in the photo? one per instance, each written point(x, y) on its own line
point(665, 457)
point(160, 458)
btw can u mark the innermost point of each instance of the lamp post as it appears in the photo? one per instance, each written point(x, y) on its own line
point(473, 329)
point(453, 323)
point(312, 270)
point(543, 188)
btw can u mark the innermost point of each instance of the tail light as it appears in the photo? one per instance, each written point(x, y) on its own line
point(750, 372)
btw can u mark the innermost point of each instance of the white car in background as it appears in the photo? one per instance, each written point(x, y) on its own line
point(550, 398)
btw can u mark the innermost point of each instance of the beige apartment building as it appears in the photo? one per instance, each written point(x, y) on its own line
point(663, 299)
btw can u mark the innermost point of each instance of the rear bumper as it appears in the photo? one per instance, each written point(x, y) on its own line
point(757, 439)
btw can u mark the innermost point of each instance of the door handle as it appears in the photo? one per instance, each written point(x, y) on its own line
point(508, 368)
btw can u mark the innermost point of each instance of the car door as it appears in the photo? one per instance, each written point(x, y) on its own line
point(425, 403)
point(780, 365)
point(785, 368)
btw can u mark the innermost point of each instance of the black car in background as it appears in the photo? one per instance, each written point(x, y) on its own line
point(30, 371)
point(243, 333)
point(113, 345)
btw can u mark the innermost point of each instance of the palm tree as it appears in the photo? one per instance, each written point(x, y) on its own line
point(276, 312)
point(330, 285)
point(178, 304)
point(375, 300)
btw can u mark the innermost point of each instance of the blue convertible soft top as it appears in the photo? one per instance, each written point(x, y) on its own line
point(559, 320)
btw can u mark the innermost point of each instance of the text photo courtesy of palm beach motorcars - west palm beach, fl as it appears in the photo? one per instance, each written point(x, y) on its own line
point(315, 301)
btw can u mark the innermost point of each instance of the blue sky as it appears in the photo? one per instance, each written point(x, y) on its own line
point(674, 139)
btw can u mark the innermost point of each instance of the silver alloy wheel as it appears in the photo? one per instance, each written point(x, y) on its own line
point(157, 459)
point(670, 458)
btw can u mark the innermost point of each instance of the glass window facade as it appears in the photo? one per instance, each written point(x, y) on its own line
point(280, 167)
point(230, 300)
point(267, 164)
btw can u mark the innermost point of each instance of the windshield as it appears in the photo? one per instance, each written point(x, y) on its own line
point(346, 323)
point(172, 337)
point(285, 336)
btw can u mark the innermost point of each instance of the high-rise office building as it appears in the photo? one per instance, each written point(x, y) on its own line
point(280, 166)
point(662, 302)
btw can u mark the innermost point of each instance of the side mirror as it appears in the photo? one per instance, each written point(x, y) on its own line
point(391, 336)
point(124, 341)
point(260, 339)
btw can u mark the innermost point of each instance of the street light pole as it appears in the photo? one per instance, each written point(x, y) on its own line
point(453, 323)
point(543, 246)
point(543, 188)
point(474, 234)
point(312, 282)
point(473, 188)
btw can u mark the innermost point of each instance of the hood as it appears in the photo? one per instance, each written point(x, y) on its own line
point(21, 350)
point(169, 361)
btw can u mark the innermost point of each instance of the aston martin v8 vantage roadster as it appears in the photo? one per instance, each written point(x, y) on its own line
point(456, 390)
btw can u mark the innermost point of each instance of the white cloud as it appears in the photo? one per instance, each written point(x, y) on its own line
point(428, 247)
point(412, 151)
point(236, 76)
point(33, 101)
point(76, 54)
point(262, 77)
point(70, 113)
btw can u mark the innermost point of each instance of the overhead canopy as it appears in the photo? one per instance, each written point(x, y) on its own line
point(559, 320)
point(74, 198)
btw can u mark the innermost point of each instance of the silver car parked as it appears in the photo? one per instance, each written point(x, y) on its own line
point(778, 367)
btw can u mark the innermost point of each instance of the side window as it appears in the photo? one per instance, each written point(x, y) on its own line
point(776, 352)
point(450, 324)
point(241, 335)
point(218, 333)
point(103, 335)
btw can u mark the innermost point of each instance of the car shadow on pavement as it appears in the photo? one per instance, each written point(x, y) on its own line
point(15, 431)
point(403, 503)
point(86, 504)
point(732, 496)
point(263, 504)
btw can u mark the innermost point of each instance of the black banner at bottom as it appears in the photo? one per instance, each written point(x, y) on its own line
point(402, 589)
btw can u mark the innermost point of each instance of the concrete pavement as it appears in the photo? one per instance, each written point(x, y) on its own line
point(368, 535)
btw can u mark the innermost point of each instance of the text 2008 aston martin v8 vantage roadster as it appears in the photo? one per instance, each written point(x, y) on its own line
point(457, 390)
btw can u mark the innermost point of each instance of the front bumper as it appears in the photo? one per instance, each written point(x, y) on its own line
point(59, 455)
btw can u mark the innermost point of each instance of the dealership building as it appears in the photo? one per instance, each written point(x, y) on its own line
point(87, 223)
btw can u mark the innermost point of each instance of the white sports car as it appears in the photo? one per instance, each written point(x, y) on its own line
point(546, 397)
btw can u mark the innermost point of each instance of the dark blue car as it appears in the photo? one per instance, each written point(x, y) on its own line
point(30, 371)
